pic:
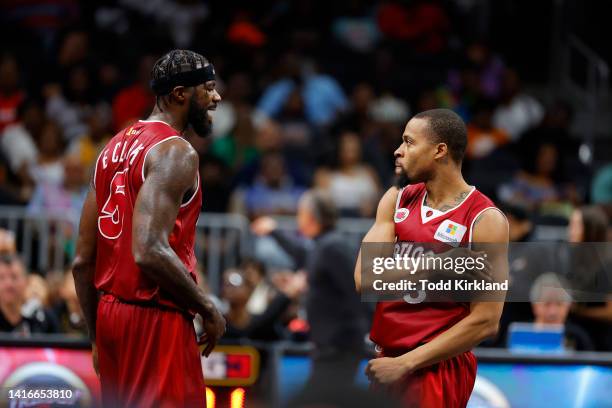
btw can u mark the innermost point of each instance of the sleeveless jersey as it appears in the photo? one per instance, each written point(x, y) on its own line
point(400, 325)
point(118, 176)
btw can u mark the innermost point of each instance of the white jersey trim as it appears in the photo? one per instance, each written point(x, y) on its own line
point(399, 196)
point(155, 121)
point(438, 213)
point(195, 191)
point(96, 168)
point(144, 161)
point(476, 218)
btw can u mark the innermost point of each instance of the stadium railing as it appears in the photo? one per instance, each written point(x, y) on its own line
point(47, 241)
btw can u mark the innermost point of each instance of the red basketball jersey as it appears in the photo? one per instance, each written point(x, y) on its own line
point(118, 176)
point(402, 325)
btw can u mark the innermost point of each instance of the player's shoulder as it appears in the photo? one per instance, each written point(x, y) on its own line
point(410, 192)
point(486, 216)
point(481, 203)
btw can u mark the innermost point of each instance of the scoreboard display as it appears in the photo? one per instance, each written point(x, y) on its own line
point(45, 375)
point(229, 371)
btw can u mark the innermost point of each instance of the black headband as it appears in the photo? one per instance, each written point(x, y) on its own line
point(163, 86)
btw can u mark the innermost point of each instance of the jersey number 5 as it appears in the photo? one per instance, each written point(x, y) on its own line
point(110, 221)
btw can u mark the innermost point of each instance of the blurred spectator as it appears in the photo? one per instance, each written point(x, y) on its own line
point(518, 111)
point(243, 31)
point(213, 173)
point(555, 126)
point(135, 101)
point(541, 183)
point(11, 95)
point(19, 139)
point(237, 96)
point(181, 17)
point(335, 314)
point(357, 28)
point(601, 189)
point(589, 225)
point(237, 148)
point(353, 185)
point(18, 312)
point(240, 322)
point(551, 305)
point(273, 191)
point(68, 310)
point(7, 242)
point(43, 17)
point(90, 145)
point(66, 198)
point(488, 69)
point(322, 96)
point(357, 117)
point(69, 104)
point(389, 109)
point(255, 274)
point(483, 136)
point(49, 168)
point(422, 23)
point(519, 221)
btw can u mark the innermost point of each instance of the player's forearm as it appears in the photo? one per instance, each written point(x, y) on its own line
point(461, 337)
point(162, 265)
point(83, 273)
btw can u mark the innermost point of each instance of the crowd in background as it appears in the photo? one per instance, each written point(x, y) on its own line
point(313, 96)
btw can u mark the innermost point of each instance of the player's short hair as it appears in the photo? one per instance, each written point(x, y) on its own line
point(447, 127)
point(180, 67)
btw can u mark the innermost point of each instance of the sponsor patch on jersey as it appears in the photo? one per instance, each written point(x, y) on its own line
point(401, 214)
point(451, 232)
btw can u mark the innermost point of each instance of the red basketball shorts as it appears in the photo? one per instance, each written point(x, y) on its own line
point(447, 384)
point(148, 357)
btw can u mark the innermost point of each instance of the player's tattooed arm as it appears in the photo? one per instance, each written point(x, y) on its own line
point(171, 171)
point(84, 265)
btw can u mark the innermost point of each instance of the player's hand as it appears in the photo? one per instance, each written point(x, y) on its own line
point(263, 226)
point(94, 357)
point(214, 327)
point(386, 370)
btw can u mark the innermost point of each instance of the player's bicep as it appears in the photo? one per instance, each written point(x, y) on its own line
point(491, 236)
point(171, 172)
point(383, 229)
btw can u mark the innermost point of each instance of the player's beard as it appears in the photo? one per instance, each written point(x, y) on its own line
point(198, 119)
point(401, 180)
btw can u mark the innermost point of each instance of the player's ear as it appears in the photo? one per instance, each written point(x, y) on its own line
point(179, 94)
point(441, 151)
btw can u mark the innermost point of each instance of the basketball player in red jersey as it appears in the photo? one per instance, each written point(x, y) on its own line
point(424, 347)
point(135, 265)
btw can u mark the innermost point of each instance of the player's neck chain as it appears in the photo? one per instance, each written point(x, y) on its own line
point(458, 200)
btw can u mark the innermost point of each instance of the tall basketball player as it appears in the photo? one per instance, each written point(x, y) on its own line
point(135, 266)
point(424, 348)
